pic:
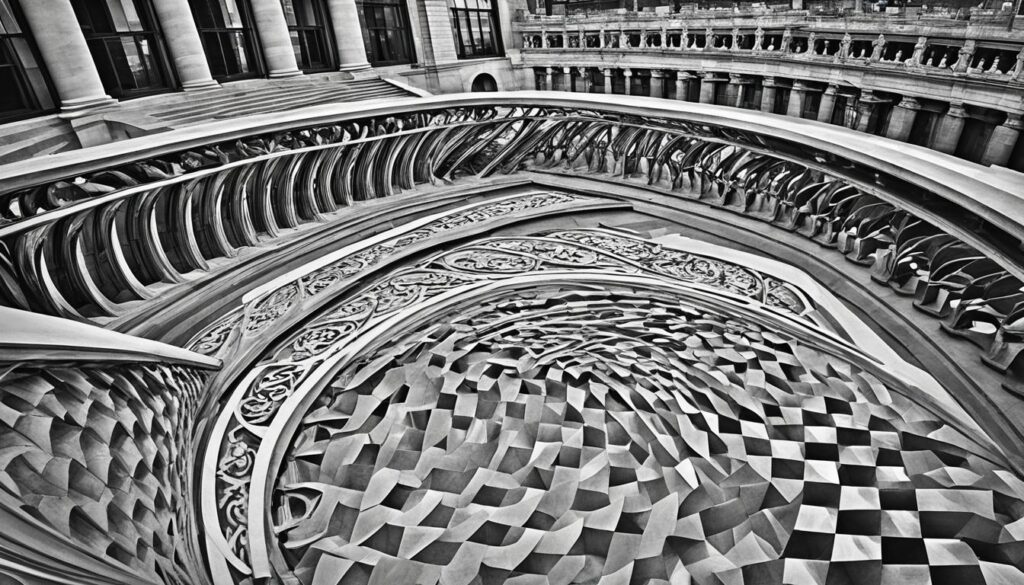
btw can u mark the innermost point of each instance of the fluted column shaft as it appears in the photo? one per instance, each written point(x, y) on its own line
point(902, 119)
point(947, 135)
point(63, 48)
point(827, 104)
point(184, 44)
point(348, 35)
point(1002, 141)
point(275, 38)
point(768, 95)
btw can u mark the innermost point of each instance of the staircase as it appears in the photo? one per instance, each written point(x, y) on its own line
point(53, 134)
point(233, 103)
point(36, 137)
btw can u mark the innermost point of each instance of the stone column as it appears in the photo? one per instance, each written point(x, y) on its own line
point(628, 74)
point(827, 104)
point(947, 135)
point(768, 95)
point(567, 79)
point(1002, 141)
point(182, 38)
point(607, 80)
point(657, 83)
point(796, 100)
point(548, 79)
point(584, 76)
point(274, 35)
point(707, 89)
point(66, 55)
point(347, 35)
point(865, 107)
point(733, 94)
point(682, 85)
point(902, 119)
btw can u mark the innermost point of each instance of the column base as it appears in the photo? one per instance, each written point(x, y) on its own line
point(284, 74)
point(78, 106)
point(200, 85)
point(350, 67)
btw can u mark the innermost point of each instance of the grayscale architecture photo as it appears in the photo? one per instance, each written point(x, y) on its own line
point(526, 292)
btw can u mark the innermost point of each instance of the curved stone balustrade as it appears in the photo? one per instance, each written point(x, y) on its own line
point(83, 247)
point(367, 373)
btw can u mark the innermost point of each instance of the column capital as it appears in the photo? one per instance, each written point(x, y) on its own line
point(956, 110)
point(657, 73)
point(709, 76)
point(685, 75)
point(735, 78)
point(909, 103)
point(567, 70)
point(768, 81)
point(799, 86)
point(627, 72)
point(832, 89)
point(1013, 121)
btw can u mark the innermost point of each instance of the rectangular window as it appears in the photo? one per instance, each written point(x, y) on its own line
point(476, 30)
point(26, 91)
point(385, 25)
point(226, 30)
point(307, 26)
point(125, 45)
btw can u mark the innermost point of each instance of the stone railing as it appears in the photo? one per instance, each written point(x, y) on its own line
point(83, 240)
point(86, 235)
point(996, 60)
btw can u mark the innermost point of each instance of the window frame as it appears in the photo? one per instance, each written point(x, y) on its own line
point(461, 13)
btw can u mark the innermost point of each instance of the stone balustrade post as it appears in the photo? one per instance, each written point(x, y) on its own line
point(1002, 141)
point(902, 119)
point(63, 49)
point(768, 95)
point(947, 134)
point(828, 103)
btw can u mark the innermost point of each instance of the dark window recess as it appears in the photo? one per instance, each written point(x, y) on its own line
point(125, 45)
point(386, 35)
point(475, 25)
point(26, 91)
point(310, 35)
point(229, 38)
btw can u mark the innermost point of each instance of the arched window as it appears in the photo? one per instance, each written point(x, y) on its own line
point(26, 91)
point(484, 82)
point(229, 39)
point(125, 45)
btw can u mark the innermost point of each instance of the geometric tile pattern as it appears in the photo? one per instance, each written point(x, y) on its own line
point(101, 453)
point(582, 434)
